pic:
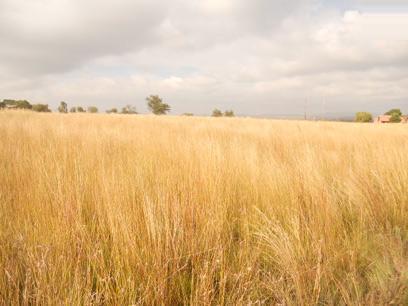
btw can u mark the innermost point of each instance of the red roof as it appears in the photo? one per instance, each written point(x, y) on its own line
point(384, 118)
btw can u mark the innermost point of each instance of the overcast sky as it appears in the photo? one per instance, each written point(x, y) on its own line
point(258, 57)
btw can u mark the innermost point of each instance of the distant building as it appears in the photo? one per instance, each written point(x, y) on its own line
point(11, 106)
point(383, 119)
point(387, 119)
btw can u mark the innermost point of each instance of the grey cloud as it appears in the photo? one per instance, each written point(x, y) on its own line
point(203, 27)
point(45, 37)
point(383, 2)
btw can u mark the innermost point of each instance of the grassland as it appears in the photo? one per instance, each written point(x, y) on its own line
point(122, 210)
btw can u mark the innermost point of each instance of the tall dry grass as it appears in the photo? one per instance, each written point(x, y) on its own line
point(122, 210)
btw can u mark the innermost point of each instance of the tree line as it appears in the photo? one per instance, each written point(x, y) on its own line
point(395, 116)
point(155, 105)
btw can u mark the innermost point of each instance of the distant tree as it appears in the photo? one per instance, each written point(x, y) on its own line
point(9, 102)
point(229, 113)
point(363, 117)
point(80, 109)
point(2, 105)
point(395, 114)
point(21, 104)
point(42, 108)
point(394, 111)
point(156, 105)
point(73, 110)
point(112, 111)
point(395, 118)
point(217, 113)
point(24, 104)
point(129, 109)
point(63, 108)
point(188, 114)
point(92, 109)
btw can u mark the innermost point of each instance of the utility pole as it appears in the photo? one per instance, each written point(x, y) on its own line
point(323, 109)
point(305, 107)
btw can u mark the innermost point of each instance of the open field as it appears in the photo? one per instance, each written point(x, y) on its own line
point(122, 210)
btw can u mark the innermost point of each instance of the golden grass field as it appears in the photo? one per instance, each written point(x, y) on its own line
point(127, 210)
